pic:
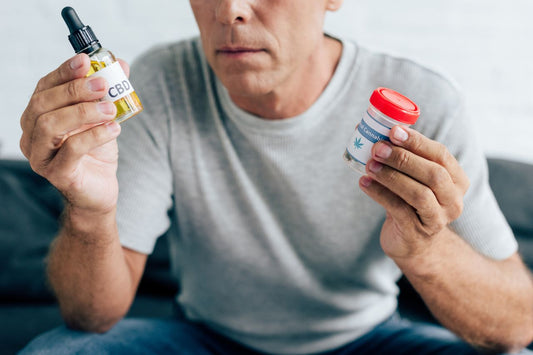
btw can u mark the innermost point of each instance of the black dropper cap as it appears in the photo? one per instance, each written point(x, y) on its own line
point(81, 37)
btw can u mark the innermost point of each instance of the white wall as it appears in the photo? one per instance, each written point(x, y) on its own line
point(485, 45)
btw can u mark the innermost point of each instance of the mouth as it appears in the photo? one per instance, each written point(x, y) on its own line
point(238, 51)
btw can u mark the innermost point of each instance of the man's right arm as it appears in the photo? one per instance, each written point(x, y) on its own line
point(94, 278)
point(69, 137)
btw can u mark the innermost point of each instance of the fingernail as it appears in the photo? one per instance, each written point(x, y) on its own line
point(76, 63)
point(96, 84)
point(374, 166)
point(366, 181)
point(383, 150)
point(400, 134)
point(107, 108)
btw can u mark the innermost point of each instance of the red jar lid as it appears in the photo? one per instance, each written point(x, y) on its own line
point(395, 105)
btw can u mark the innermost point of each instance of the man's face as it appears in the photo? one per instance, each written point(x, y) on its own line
point(255, 46)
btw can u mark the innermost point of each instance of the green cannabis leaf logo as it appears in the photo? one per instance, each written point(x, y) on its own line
point(357, 144)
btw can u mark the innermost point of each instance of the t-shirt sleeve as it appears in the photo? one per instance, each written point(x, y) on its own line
point(144, 172)
point(482, 223)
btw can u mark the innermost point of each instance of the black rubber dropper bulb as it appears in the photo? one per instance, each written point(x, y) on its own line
point(81, 37)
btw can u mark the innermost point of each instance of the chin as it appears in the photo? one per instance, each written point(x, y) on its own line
point(247, 85)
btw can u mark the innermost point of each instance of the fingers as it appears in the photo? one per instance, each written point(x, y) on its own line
point(392, 203)
point(55, 122)
point(54, 128)
point(403, 234)
point(73, 150)
point(422, 173)
point(74, 68)
point(420, 197)
point(424, 147)
point(407, 218)
point(64, 87)
point(81, 144)
point(63, 107)
point(69, 93)
point(408, 166)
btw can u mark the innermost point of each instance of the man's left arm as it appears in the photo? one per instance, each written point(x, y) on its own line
point(487, 302)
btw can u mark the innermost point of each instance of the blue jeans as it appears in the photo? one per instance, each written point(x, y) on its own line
point(177, 336)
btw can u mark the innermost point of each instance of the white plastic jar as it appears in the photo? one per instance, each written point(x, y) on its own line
point(387, 109)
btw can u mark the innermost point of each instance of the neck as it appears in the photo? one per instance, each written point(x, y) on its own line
point(301, 89)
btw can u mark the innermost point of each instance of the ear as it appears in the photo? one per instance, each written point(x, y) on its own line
point(333, 5)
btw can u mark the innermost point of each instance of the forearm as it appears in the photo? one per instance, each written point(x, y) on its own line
point(487, 302)
point(89, 273)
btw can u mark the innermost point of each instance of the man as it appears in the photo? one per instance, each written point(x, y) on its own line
point(274, 249)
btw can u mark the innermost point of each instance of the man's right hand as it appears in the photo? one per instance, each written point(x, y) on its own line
point(69, 136)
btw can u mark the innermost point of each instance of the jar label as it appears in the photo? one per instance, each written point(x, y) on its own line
point(368, 132)
point(119, 85)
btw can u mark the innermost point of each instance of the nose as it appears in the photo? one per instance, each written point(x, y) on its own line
point(231, 12)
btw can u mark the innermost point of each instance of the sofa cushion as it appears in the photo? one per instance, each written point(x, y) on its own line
point(29, 220)
point(512, 183)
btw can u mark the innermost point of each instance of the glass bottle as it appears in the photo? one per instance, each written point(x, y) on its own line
point(104, 64)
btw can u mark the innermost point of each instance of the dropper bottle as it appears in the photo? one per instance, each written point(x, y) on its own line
point(103, 64)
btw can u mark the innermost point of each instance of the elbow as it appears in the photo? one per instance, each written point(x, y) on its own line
point(89, 326)
point(521, 337)
point(511, 347)
point(519, 342)
point(92, 320)
point(511, 341)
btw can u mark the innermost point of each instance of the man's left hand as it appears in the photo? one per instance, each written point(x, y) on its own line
point(421, 186)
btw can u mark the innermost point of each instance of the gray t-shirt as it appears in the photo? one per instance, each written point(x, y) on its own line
point(272, 241)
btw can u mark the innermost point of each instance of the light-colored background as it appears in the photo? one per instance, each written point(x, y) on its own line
point(485, 45)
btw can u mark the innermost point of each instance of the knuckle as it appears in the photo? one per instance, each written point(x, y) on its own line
point(439, 224)
point(424, 197)
point(403, 159)
point(71, 147)
point(98, 134)
point(443, 154)
point(45, 124)
point(390, 176)
point(73, 90)
point(24, 120)
point(435, 223)
point(95, 133)
point(82, 110)
point(37, 166)
point(41, 85)
point(24, 146)
point(457, 208)
point(63, 72)
point(415, 142)
point(437, 175)
point(37, 102)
